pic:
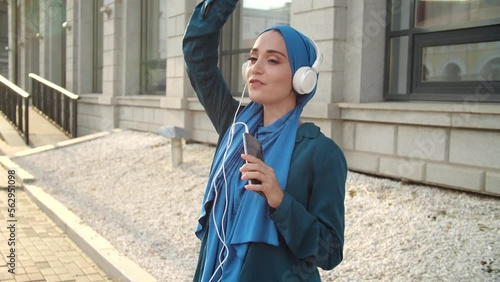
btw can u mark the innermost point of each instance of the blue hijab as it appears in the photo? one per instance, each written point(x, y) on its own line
point(234, 216)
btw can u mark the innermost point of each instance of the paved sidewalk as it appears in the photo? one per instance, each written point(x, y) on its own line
point(42, 251)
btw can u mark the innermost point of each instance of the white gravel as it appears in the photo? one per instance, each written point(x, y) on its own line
point(122, 185)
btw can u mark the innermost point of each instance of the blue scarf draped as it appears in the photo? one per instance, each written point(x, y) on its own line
point(236, 217)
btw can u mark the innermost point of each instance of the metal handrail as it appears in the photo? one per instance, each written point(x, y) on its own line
point(53, 101)
point(14, 104)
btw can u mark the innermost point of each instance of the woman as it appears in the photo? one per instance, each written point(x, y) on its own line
point(293, 221)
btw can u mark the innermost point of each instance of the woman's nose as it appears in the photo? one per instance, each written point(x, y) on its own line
point(257, 67)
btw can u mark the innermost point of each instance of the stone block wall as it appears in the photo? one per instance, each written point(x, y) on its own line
point(425, 143)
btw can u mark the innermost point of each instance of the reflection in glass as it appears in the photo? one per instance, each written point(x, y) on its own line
point(398, 68)
point(97, 59)
point(258, 15)
point(400, 14)
point(440, 12)
point(462, 62)
point(4, 42)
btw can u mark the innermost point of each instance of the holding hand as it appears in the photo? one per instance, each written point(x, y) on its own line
point(254, 168)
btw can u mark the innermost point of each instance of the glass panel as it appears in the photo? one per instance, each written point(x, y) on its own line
point(156, 31)
point(32, 29)
point(258, 15)
point(97, 50)
point(155, 76)
point(462, 62)
point(400, 12)
point(443, 12)
point(154, 46)
point(4, 42)
point(398, 68)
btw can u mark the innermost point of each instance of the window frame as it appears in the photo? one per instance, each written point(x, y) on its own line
point(421, 37)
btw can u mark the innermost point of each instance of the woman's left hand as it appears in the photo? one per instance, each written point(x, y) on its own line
point(254, 168)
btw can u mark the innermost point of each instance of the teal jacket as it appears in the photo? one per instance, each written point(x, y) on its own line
point(310, 219)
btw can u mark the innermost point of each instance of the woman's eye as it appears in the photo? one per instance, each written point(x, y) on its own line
point(252, 59)
point(272, 61)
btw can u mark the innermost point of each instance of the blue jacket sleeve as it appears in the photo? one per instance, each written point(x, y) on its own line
point(316, 233)
point(200, 48)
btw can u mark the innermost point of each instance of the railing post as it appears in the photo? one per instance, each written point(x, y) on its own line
point(4, 94)
point(74, 118)
point(66, 114)
point(26, 121)
point(34, 93)
point(58, 110)
point(19, 103)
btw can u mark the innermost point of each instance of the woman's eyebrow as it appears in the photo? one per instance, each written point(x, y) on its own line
point(269, 51)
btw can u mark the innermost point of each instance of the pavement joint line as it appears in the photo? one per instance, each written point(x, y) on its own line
point(117, 266)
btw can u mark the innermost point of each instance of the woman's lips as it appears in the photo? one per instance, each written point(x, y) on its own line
point(255, 82)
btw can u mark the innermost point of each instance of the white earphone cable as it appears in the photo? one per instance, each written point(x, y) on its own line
point(222, 238)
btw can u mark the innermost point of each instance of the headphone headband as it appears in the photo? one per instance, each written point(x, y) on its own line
point(319, 56)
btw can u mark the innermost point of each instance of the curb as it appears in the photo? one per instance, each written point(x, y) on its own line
point(117, 266)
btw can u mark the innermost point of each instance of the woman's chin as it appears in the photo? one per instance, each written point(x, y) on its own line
point(255, 98)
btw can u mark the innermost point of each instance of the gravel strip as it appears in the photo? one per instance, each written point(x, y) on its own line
point(123, 186)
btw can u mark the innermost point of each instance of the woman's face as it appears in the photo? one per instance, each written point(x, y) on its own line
point(268, 73)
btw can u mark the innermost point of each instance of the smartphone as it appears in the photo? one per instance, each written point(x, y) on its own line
point(252, 146)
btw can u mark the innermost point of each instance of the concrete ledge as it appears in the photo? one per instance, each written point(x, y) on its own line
point(22, 176)
point(65, 143)
point(114, 264)
point(453, 115)
point(139, 101)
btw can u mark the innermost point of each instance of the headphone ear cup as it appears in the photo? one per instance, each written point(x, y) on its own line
point(304, 80)
point(244, 71)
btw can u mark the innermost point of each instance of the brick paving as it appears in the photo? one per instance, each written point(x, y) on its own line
point(42, 251)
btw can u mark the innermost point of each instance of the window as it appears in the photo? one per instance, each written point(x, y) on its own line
point(153, 46)
point(443, 50)
point(240, 32)
point(97, 64)
point(4, 40)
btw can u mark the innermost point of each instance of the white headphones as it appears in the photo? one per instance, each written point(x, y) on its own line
point(305, 78)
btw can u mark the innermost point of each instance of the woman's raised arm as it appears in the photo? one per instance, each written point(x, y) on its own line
point(200, 47)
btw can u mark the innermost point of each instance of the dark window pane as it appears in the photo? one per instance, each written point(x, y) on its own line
point(400, 14)
point(4, 42)
point(398, 66)
point(97, 50)
point(153, 46)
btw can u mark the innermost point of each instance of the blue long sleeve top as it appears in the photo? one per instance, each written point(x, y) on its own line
point(310, 219)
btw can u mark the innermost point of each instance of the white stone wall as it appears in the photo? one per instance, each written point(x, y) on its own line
point(89, 115)
point(425, 143)
point(325, 22)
